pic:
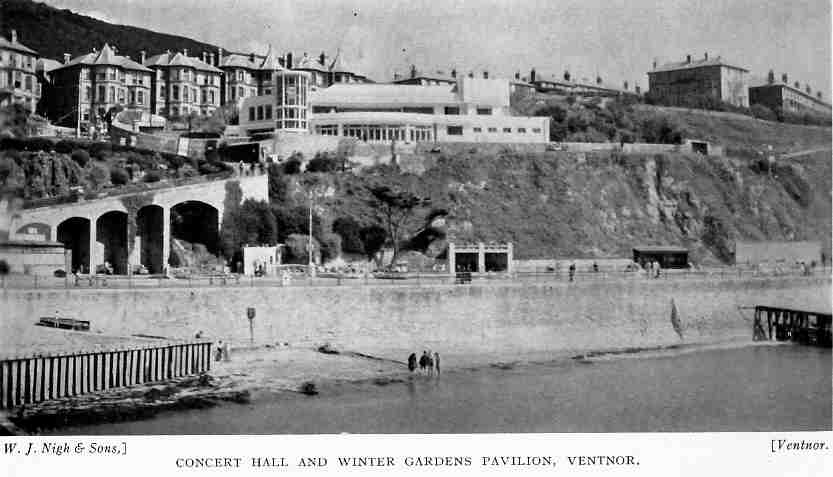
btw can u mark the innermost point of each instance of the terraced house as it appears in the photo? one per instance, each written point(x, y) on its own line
point(18, 81)
point(183, 85)
point(86, 88)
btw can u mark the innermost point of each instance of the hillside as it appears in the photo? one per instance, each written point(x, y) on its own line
point(563, 204)
point(52, 32)
point(601, 120)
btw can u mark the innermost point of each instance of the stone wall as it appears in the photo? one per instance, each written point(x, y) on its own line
point(498, 319)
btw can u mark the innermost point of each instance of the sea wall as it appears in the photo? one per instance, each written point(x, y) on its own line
point(503, 318)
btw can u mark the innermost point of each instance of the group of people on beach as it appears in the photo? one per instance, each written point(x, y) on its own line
point(427, 362)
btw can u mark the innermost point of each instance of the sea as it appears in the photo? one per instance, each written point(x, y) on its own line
point(783, 387)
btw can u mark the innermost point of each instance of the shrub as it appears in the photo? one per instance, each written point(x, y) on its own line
point(278, 186)
point(80, 157)
point(211, 167)
point(322, 162)
point(12, 143)
point(119, 176)
point(152, 176)
point(292, 166)
point(39, 144)
point(101, 150)
point(65, 147)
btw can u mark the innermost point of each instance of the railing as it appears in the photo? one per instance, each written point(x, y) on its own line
point(26, 380)
point(82, 282)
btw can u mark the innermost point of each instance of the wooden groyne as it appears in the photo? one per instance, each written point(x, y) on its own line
point(26, 380)
point(788, 324)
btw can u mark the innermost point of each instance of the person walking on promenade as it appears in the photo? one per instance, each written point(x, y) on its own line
point(437, 362)
point(423, 361)
point(412, 362)
point(218, 355)
point(572, 271)
point(240, 167)
point(430, 364)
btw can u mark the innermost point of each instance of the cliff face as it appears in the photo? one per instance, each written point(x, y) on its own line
point(559, 204)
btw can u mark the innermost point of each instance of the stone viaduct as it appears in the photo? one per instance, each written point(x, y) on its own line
point(98, 230)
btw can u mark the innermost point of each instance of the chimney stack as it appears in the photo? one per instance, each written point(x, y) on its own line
point(626, 85)
point(289, 64)
point(807, 88)
point(413, 71)
point(14, 36)
point(453, 73)
point(797, 85)
point(598, 80)
point(396, 76)
point(66, 58)
point(655, 64)
point(219, 56)
point(706, 55)
point(485, 75)
point(532, 75)
point(818, 94)
point(785, 78)
point(566, 75)
point(185, 52)
point(471, 74)
point(688, 58)
point(517, 76)
point(142, 57)
point(204, 57)
point(638, 90)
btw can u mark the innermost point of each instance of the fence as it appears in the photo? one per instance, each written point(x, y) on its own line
point(34, 379)
point(542, 274)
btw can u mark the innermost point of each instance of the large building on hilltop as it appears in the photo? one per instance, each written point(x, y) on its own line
point(672, 83)
point(84, 89)
point(790, 98)
point(246, 76)
point(18, 79)
point(183, 85)
point(470, 110)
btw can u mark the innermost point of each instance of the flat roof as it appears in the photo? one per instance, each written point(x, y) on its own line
point(661, 248)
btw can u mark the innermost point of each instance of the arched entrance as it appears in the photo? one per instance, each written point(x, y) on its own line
point(74, 233)
point(149, 237)
point(111, 232)
point(195, 223)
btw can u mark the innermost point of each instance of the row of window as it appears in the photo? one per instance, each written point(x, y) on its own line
point(113, 95)
point(504, 130)
point(260, 113)
point(16, 60)
point(18, 80)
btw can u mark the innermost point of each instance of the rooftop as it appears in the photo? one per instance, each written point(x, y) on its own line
point(105, 57)
point(16, 45)
point(180, 59)
point(701, 63)
point(404, 94)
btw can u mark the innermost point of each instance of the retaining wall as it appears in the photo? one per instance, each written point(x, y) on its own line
point(498, 318)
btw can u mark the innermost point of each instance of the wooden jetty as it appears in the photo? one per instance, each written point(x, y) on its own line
point(788, 324)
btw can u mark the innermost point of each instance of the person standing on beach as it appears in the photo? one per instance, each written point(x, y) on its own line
point(437, 362)
point(430, 364)
point(572, 271)
point(423, 360)
point(412, 362)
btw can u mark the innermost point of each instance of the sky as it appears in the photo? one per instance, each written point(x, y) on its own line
point(615, 39)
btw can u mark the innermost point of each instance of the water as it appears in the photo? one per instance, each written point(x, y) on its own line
point(756, 388)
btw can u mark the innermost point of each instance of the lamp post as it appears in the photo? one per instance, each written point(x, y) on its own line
point(309, 244)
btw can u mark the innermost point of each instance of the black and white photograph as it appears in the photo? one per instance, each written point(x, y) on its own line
point(411, 217)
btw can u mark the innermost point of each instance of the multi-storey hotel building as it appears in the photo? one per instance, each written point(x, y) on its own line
point(18, 80)
point(183, 85)
point(84, 89)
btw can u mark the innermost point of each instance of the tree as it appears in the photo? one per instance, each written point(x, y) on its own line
point(256, 224)
point(373, 237)
point(394, 207)
point(278, 186)
point(349, 230)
